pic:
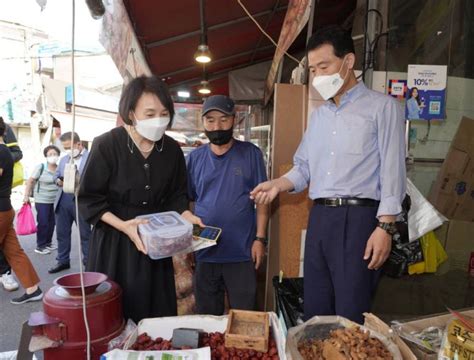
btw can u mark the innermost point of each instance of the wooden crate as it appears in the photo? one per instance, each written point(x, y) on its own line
point(247, 330)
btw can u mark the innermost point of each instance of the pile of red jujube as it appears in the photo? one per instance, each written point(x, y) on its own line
point(215, 341)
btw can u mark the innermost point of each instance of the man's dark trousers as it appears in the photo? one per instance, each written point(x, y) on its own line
point(336, 278)
point(65, 216)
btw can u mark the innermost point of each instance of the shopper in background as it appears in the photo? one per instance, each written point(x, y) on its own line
point(9, 243)
point(352, 156)
point(6, 277)
point(65, 205)
point(135, 170)
point(41, 185)
point(220, 176)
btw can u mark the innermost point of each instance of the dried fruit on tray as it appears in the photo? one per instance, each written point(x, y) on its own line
point(345, 344)
point(215, 341)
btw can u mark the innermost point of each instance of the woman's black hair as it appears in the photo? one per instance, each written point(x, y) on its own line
point(51, 147)
point(340, 39)
point(136, 88)
point(417, 94)
point(3, 126)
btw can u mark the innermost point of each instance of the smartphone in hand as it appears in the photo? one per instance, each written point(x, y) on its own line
point(208, 233)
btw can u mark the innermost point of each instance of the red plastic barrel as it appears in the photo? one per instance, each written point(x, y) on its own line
point(104, 312)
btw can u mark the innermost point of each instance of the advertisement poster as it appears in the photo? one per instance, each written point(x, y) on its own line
point(426, 95)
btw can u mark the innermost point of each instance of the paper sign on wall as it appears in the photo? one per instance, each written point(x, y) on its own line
point(426, 95)
point(397, 88)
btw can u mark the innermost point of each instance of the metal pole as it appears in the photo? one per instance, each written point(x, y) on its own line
point(203, 26)
point(370, 36)
point(308, 35)
point(210, 28)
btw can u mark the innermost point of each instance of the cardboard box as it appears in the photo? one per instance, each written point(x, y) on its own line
point(453, 191)
point(421, 324)
point(442, 233)
point(459, 245)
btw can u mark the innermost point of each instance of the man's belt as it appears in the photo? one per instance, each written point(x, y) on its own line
point(335, 202)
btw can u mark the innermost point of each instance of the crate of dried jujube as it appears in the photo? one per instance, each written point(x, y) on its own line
point(337, 338)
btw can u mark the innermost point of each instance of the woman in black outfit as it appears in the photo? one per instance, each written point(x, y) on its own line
point(135, 170)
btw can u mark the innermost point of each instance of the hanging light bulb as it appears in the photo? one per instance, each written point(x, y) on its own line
point(204, 89)
point(203, 55)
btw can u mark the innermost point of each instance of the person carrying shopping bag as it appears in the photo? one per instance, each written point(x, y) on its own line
point(42, 187)
point(9, 243)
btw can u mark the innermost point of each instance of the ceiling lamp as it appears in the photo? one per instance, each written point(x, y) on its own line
point(204, 89)
point(203, 55)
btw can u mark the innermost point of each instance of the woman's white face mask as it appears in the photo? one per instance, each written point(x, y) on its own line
point(52, 159)
point(153, 128)
point(329, 85)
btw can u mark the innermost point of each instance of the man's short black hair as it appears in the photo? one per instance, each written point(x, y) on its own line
point(51, 147)
point(3, 126)
point(340, 39)
point(67, 137)
point(136, 88)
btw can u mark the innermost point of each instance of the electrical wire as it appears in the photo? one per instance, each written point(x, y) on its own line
point(81, 270)
point(264, 33)
point(380, 17)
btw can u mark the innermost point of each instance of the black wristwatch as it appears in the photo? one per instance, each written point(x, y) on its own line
point(389, 227)
point(263, 240)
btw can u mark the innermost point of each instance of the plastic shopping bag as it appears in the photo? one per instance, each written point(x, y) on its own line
point(422, 217)
point(433, 254)
point(25, 221)
point(17, 174)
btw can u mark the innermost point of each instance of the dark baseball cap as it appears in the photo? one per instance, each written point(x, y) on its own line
point(221, 103)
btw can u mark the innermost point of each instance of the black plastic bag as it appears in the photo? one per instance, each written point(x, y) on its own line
point(289, 300)
point(404, 252)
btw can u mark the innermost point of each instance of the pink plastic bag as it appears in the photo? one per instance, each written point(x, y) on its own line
point(25, 221)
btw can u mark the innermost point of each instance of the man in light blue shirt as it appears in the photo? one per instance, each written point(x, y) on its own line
point(352, 157)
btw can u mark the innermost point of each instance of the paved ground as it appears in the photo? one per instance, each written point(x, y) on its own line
point(13, 316)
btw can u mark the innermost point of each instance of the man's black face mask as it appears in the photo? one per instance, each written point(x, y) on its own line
point(220, 137)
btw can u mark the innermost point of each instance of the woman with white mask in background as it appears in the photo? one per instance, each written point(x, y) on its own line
point(135, 170)
point(42, 187)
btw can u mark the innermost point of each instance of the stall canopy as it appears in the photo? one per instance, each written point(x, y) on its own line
point(168, 34)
